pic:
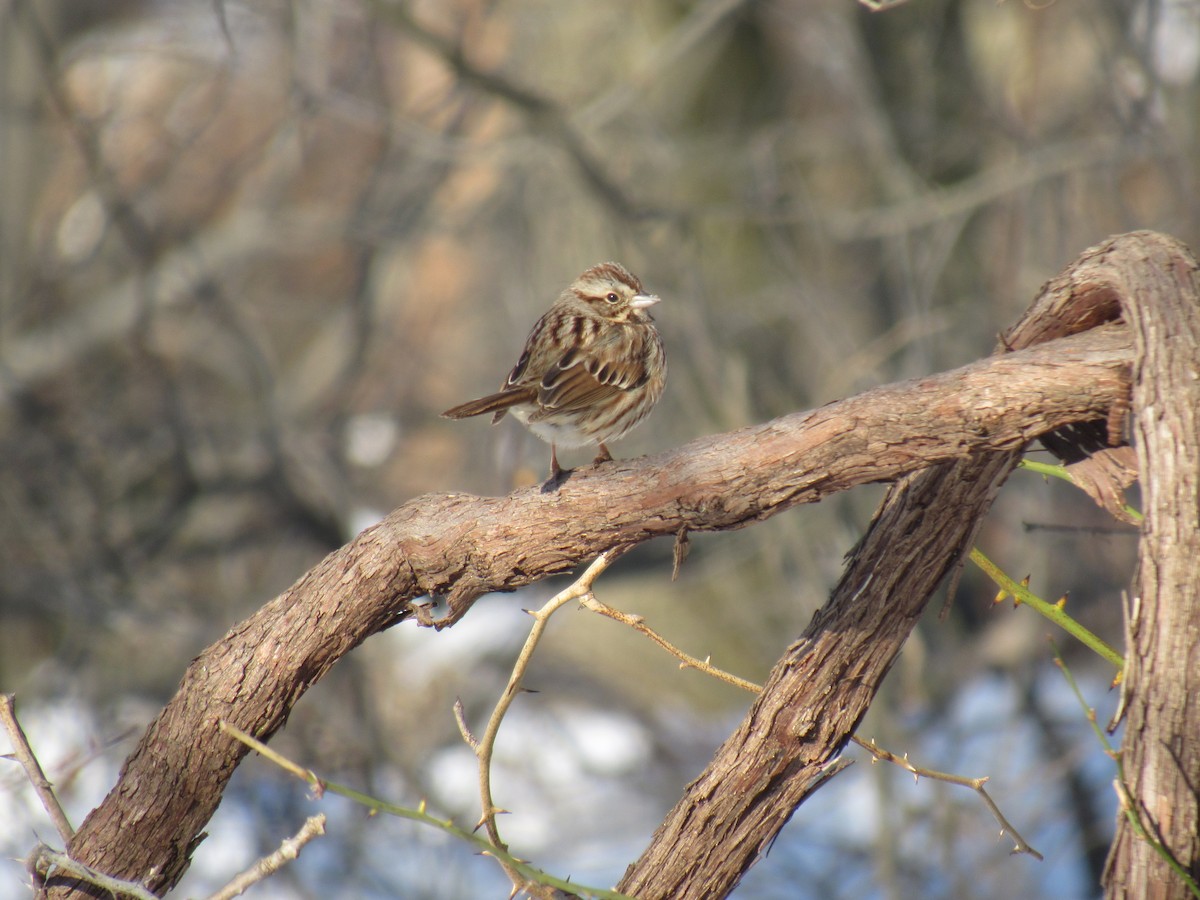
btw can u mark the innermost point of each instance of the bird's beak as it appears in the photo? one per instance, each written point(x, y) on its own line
point(641, 301)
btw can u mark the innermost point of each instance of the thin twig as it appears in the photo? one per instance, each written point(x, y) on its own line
point(1051, 611)
point(580, 590)
point(268, 865)
point(637, 623)
point(975, 784)
point(1133, 811)
point(460, 718)
point(278, 758)
point(33, 769)
point(43, 860)
point(1060, 471)
point(532, 875)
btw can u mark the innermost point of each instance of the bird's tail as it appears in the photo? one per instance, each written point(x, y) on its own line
point(496, 403)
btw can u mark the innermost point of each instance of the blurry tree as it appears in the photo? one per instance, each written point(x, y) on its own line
point(249, 251)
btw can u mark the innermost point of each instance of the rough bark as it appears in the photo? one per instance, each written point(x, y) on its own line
point(820, 689)
point(462, 546)
point(1161, 747)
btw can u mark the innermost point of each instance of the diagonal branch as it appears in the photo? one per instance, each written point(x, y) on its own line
point(460, 546)
point(819, 691)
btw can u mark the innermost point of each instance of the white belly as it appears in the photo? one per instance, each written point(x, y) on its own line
point(564, 434)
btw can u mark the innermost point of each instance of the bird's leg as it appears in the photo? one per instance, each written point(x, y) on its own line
point(555, 468)
point(603, 456)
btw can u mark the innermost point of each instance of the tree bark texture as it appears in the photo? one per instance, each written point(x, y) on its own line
point(820, 690)
point(1161, 746)
point(963, 428)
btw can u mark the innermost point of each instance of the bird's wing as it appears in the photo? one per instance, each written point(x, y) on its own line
point(588, 375)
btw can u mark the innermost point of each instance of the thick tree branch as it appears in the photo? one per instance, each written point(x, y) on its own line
point(462, 546)
point(1161, 750)
point(818, 692)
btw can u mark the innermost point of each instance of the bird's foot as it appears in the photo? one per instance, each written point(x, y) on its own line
point(557, 473)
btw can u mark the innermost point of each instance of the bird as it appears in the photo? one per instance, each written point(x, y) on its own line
point(592, 368)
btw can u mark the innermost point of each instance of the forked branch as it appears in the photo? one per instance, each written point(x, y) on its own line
point(964, 429)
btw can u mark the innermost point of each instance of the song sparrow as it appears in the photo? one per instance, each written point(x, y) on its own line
point(592, 368)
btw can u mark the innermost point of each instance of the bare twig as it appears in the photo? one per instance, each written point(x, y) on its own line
point(1133, 811)
point(975, 784)
point(43, 863)
point(268, 865)
point(33, 769)
point(581, 590)
point(638, 624)
point(460, 718)
point(533, 878)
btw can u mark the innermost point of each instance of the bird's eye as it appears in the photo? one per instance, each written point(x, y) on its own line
point(612, 297)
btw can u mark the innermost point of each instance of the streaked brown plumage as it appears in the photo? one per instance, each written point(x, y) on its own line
point(593, 366)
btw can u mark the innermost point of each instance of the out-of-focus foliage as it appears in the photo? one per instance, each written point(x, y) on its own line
point(248, 251)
